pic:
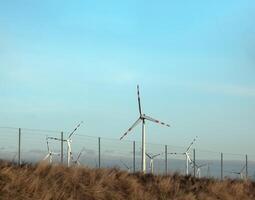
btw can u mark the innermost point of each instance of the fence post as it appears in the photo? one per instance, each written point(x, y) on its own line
point(194, 162)
point(133, 156)
point(19, 147)
point(62, 150)
point(246, 166)
point(99, 152)
point(221, 166)
point(166, 159)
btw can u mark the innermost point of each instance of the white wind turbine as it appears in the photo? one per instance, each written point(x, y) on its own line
point(125, 165)
point(151, 157)
point(142, 119)
point(68, 141)
point(187, 155)
point(50, 153)
point(199, 167)
point(240, 173)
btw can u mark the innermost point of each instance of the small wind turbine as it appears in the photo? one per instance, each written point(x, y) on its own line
point(240, 173)
point(125, 165)
point(142, 119)
point(151, 157)
point(199, 167)
point(68, 141)
point(187, 155)
point(77, 161)
point(50, 153)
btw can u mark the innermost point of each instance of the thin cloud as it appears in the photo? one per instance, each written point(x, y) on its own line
point(235, 90)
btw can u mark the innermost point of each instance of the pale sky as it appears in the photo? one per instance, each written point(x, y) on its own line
point(66, 61)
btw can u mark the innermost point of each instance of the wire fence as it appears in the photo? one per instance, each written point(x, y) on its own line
point(30, 145)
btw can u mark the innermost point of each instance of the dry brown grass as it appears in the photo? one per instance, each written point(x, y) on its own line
point(44, 182)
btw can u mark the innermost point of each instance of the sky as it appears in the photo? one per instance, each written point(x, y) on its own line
point(62, 62)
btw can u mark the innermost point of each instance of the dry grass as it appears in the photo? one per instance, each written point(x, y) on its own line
point(58, 182)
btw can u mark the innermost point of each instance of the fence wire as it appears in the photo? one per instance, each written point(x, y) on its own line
point(97, 152)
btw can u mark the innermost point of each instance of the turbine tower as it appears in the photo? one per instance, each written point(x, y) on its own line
point(142, 118)
point(187, 155)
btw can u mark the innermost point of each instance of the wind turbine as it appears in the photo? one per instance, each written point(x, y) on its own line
point(187, 155)
point(240, 173)
point(126, 166)
point(151, 157)
point(68, 141)
point(199, 167)
point(50, 153)
point(142, 119)
point(77, 161)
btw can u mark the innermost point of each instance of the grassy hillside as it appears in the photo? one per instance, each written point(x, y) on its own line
point(58, 182)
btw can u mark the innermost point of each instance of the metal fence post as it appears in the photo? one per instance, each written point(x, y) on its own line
point(194, 162)
point(62, 150)
point(99, 152)
point(134, 156)
point(246, 166)
point(166, 160)
point(221, 166)
point(19, 147)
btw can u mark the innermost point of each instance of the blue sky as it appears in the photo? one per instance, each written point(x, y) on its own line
point(66, 61)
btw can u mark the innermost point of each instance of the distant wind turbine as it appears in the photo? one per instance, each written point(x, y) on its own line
point(68, 141)
point(50, 152)
point(151, 157)
point(199, 167)
point(187, 155)
point(240, 173)
point(77, 161)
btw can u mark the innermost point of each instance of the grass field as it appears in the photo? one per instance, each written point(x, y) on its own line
point(46, 182)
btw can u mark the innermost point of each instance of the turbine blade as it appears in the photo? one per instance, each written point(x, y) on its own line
point(193, 141)
point(155, 120)
point(242, 168)
point(148, 155)
point(202, 165)
point(124, 164)
point(70, 135)
point(154, 156)
point(134, 125)
point(174, 153)
point(54, 138)
point(190, 160)
point(55, 154)
point(46, 156)
point(231, 172)
point(139, 101)
point(79, 155)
